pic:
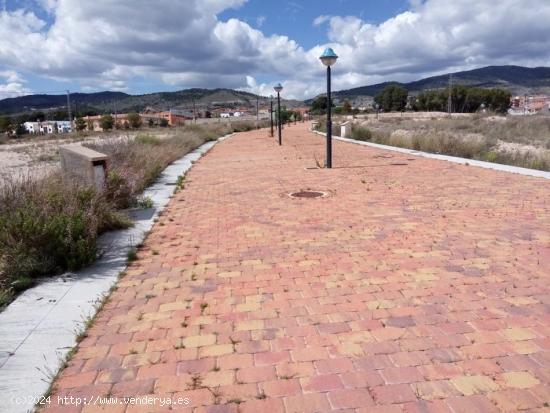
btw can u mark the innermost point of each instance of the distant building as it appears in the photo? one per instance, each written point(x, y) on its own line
point(48, 127)
point(32, 127)
point(64, 126)
point(529, 105)
point(174, 117)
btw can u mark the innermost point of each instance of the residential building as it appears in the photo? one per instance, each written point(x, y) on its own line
point(32, 127)
point(47, 127)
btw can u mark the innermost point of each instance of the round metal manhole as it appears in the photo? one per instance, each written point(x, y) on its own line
point(308, 194)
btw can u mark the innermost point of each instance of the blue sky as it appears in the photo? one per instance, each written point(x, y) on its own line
point(295, 18)
point(141, 46)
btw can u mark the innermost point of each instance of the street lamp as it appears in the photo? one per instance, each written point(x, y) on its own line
point(278, 87)
point(328, 58)
point(377, 107)
point(271, 112)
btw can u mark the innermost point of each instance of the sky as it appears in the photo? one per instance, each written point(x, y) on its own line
point(138, 46)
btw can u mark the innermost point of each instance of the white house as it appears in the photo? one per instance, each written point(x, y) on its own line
point(32, 127)
point(64, 126)
point(60, 126)
point(48, 127)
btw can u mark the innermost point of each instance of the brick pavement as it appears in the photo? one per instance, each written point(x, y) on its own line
point(416, 286)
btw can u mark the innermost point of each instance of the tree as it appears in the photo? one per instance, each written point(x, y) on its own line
point(20, 130)
point(151, 122)
point(90, 124)
point(80, 124)
point(319, 105)
point(106, 122)
point(163, 123)
point(346, 107)
point(392, 98)
point(134, 120)
point(5, 124)
point(464, 99)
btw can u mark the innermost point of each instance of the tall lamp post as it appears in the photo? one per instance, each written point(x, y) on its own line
point(278, 88)
point(329, 58)
point(271, 113)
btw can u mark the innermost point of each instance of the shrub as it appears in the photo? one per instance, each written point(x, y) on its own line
point(106, 122)
point(147, 139)
point(134, 119)
point(50, 225)
point(360, 133)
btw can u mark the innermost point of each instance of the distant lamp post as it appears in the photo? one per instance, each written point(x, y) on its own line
point(271, 112)
point(377, 107)
point(482, 107)
point(328, 58)
point(278, 88)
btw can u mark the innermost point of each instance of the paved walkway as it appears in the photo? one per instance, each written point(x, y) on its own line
point(418, 285)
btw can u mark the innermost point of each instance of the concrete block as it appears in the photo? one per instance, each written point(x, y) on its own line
point(84, 165)
point(345, 129)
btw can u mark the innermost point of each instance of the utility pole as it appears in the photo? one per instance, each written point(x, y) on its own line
point(194, 112)
point(450, 98)
point(69, 105)
point(116, 114)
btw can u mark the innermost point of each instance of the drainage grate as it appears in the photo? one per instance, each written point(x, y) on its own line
point(308, 194)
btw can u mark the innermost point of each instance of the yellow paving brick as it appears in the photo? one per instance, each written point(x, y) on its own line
point(199, 341)
point(519, 379)
point(216, 350)
point(249, 325)
point(469, 385)
point(518, 334)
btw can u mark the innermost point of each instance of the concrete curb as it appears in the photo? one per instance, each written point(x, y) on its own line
point(40, 327)
point(454, 159)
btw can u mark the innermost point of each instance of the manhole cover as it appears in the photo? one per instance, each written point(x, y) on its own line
point(308, 194)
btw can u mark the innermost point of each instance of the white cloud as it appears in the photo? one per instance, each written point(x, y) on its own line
point(12, 85)
point(106, 44)
point(319, 20)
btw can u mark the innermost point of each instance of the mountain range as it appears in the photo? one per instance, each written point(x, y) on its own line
point(101, 102)
point(517, 79)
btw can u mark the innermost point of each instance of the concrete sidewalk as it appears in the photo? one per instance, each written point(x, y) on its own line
point(416, 285)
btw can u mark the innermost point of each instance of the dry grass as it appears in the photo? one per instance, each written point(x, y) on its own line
point(47, 226)
point(518, 141)
point(50, 225)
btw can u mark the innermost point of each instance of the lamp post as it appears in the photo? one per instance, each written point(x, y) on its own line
point(271, 113)
point(377, 106)
point(328, 58)
point(278, 88)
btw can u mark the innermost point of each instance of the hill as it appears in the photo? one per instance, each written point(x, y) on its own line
point(517, 79)
point(105, 101)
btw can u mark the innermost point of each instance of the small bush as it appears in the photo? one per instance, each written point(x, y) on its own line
point(50, 225)
point(146, 139)
point(361, 133)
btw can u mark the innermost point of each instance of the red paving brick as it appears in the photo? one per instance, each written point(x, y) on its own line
point(416, 285)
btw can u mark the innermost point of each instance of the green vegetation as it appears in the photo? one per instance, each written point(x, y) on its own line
point(134, 120)
point(80, 124)
point(47, 226)
point(106, 122)
point(51, 225)
point(464, 99)
point(392, 98)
